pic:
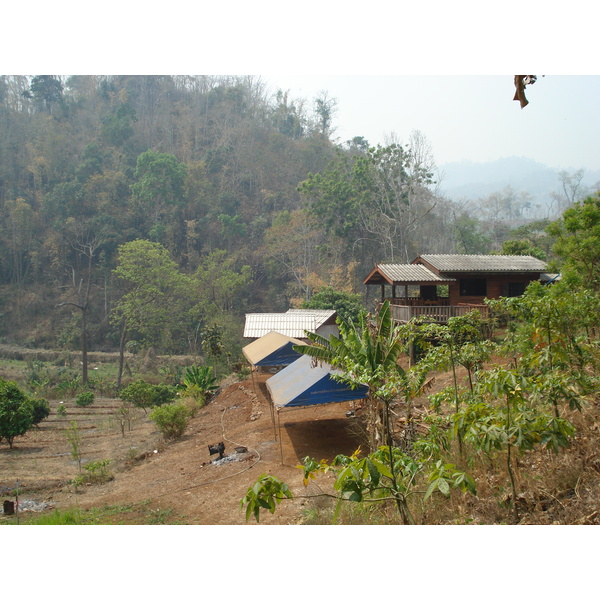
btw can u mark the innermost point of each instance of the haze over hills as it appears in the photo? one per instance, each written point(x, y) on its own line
point(468, 180)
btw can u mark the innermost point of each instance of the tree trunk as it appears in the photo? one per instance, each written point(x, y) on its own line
point(84, 356)
point(121, 354)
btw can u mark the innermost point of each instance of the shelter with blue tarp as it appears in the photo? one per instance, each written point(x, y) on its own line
point(304, 383)
point(272, 350)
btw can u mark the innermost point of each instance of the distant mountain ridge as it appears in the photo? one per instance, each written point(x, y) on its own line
point(471, 180)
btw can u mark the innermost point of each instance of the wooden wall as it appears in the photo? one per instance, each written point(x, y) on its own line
point(497, 285)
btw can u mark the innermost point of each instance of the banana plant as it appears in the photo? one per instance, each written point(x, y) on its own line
point(367, 353)
point(199, 382)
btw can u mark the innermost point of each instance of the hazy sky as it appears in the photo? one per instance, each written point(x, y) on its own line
point(466, 117)
point(443, 68)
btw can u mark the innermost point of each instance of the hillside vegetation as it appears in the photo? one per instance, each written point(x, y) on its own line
point(143, 216)
point(242, 194)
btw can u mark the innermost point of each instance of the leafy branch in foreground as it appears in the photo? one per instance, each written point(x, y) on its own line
point(266, 493)
point(388, 474)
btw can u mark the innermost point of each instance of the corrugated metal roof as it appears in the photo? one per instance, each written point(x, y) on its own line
point(321, 316)
point(454, 263)
point(259, 324)
point(292, 323)
point(411, 274)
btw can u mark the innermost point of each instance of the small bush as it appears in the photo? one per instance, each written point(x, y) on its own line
point(171, 419)
point(95, 472)
point(41, 409)
point(85, 399)
point(145, 395)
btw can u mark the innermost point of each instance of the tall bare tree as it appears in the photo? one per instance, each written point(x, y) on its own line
point(81, 281)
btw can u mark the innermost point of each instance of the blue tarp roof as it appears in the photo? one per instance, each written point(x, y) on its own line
point(303, 384)
point(272, 350)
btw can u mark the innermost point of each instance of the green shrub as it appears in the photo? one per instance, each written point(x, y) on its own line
point(85, 399)
point(171, 419)
point(95, 472)
point(41, 409)
point(145, 395)
point(16, 411)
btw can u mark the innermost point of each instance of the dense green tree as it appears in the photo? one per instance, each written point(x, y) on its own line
point(384, 195)
point(522, 248)
point(17, 414)
point(221, 283)
point(348, 306)
point(156, 295)
point(117, 127)
point(41, 409)
point(159, 186)
point(577, 235)
point(288, 116)
point(469, 236)
point(47, 91)
point(535, 234)
point(332, 198)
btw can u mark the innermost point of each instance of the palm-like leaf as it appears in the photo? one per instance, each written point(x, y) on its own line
point(374, 345)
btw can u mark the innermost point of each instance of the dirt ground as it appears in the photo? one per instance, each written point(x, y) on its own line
point(180, 477)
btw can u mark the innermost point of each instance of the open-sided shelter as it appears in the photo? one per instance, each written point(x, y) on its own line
point(272, 350)
point(303, 384)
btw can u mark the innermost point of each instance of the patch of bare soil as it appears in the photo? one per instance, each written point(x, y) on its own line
point(181, 476)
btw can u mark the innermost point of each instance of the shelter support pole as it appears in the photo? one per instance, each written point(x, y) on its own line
point(272, 409)
point(252, 367)
point(280, 442)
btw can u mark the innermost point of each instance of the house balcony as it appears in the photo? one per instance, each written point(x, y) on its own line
point(436, 311)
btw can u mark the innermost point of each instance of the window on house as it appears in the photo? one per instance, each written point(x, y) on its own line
point(473, 286)
point(516, 288)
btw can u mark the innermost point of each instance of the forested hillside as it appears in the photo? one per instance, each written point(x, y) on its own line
point(157, 210)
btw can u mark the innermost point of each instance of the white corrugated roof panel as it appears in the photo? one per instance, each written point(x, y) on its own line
point(292, 323)
point(321, 316)
point(259, 324)
point(405, 274)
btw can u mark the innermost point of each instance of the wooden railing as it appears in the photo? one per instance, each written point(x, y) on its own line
point(435, 313)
